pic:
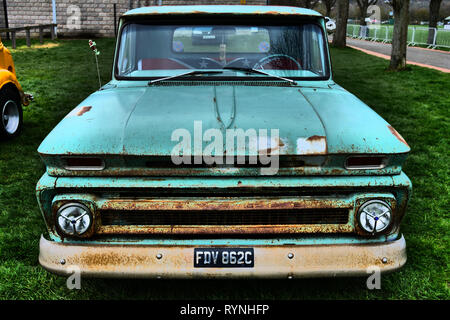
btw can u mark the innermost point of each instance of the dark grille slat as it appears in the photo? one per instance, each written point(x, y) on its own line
point(226, 192)
point(225, 218)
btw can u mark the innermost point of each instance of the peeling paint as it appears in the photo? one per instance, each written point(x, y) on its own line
point(78, 111)
point(313, 145)
point(83, 110)
point(397, 135)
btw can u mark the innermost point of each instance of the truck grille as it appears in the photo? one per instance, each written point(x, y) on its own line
point(224, 218)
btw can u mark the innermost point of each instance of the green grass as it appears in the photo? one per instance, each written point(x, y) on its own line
point(415, 102)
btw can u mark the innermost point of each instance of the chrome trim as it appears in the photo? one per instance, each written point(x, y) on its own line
point(10, 117)
point(83, 168)
point(383, 165)
point(78, 205)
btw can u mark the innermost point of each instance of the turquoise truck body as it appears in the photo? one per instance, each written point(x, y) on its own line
point(128, 124)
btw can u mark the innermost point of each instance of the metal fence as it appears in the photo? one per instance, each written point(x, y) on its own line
point(416, 35)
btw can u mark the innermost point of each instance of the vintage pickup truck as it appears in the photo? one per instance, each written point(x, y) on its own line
point(169, 170)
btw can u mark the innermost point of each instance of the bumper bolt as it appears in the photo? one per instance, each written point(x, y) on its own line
point(62, 261)
point(290, 255)
point(159, 256)
point(384, 260)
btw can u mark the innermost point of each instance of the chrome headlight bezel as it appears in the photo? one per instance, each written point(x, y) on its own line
point(84, 214)
point(362, 217)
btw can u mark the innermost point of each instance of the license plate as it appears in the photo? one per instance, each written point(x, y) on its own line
point(224, 258)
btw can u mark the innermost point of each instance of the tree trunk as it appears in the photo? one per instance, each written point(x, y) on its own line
point(340, 36)
point(329, 4)
point(328, 9)
point(400, 34)
point(434, 17)
point(363, 14)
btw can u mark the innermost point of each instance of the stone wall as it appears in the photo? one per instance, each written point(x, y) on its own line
point(86, 17)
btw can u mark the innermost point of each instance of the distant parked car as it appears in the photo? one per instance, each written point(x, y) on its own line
point(447, 23)
point(12, 96)
point(330, 25)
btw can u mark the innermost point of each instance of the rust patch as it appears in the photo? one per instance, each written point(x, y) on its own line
point(397, 135)
point(198, 12)
point(221, 204)
point(83, 110)
point(227, 206)
point(270, 146)
point(176, 262)
point(315, 138)
point(244, 229)
point(313, 145)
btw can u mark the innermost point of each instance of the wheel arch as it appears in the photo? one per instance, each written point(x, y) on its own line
point(9, 80)
point(13, 87)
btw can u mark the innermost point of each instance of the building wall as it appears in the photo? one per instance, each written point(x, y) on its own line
point(86, 17)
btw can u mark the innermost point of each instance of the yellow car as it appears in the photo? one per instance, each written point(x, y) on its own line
point(12, 96)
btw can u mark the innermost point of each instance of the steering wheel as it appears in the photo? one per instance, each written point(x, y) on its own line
point(268, 59)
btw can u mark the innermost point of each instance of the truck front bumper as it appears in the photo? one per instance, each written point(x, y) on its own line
point(271, 261)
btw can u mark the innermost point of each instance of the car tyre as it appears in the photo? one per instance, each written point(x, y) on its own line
point(11, 113)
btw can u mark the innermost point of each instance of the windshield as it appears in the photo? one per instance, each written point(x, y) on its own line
point(152, 51)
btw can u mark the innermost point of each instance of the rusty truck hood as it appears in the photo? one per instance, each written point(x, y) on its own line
point(140, 121)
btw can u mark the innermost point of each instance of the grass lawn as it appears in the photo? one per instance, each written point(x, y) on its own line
point(62, 73)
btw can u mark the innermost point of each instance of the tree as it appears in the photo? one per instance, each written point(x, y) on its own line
point(435, 5)
point(340, 36)
point(309, 4)
point(400, 34)
point(329, 4)
point(417, 15)
point(363, 6)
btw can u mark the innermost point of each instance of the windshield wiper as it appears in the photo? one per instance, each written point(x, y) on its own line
point(251, 70)
point(190, 73)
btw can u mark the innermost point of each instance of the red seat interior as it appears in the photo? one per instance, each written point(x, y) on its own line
point(281, 63)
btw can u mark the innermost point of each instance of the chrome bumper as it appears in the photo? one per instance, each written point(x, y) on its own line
point(141, 261)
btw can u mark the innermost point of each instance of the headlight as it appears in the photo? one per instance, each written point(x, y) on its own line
point(73, 219)
point(374, 216)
